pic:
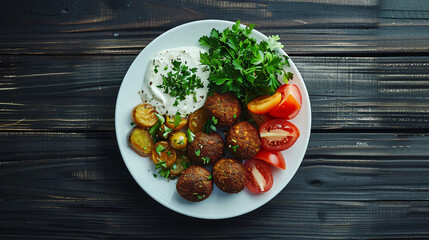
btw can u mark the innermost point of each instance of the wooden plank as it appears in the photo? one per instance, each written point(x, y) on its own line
point(337, 166)
point(79, 92)
point(136, 217)
point(126, 27)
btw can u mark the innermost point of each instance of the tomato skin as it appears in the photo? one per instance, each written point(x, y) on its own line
point(290, 104)
point(264, 104)
point(278, 135)
point(276, 159)
point(258, 176)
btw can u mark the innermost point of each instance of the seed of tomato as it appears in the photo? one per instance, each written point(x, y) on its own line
point(265, 103)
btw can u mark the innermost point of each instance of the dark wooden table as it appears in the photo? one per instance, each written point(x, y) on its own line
point(366, 171)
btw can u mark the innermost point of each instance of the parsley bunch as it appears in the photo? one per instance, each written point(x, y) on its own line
point(239, 64)
point(180, 82)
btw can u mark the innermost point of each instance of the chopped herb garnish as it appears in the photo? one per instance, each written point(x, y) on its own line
point(181, 81)
point(169, 153)
point(198, 152)
point(186, 164)
point(156, 68)
point(235, 116)
point(174, 166)
point(155, 128)
point(206, 160)
point(155, 176)
point(132, 124)
point(167, 130)
point(209, 126)
point(180, 142)
point(214, 120)
point(201, 197)
point(145, 147)
point(190, 135)
point(159, 149)
point(177, 119)
point(234, 148)
point(165, 68)
point(210, 177)
point(239, 64)
point(162, 168)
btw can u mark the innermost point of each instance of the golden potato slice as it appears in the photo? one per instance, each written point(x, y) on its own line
point(197, 120)
point(182, 163)
point(169, 122)
point(162, 152)
point(140, 140)
point(178, 140)
point(143, 115)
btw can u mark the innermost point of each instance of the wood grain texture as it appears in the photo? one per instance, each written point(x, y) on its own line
point(347, 186)
point(79, 92)
point(364, 176)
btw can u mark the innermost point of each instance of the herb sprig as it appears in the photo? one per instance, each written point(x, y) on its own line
point(239, 64)
point(181, 81)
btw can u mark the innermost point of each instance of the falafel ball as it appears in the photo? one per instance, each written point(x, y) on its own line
point(243, 140)
point(228, 175)
point(194, 184)
point(224, 107)
point(206, 148)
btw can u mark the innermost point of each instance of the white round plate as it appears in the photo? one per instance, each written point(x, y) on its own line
point(219, 205)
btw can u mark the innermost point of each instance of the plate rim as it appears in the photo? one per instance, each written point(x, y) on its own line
point(183, 212)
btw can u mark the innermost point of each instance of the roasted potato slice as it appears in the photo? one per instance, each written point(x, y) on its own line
point(182, 163)
point(140, 140)
point(169, 122)
point(178, 140)
point(143, 115)
point(197, 120)
point(163, 152)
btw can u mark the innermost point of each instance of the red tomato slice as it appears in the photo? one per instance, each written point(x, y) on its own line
point(274, 158)
point(278, 135)
point(258, 176)
point(291, 102)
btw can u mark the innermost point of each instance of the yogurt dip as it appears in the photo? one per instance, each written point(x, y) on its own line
point(158, 68)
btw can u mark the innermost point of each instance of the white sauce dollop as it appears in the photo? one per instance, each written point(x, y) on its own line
point(163, 102)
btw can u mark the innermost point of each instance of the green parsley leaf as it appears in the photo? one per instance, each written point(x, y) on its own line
point(198, 152)
point(234, 148)
point(155, 128)
point(190, 135)
point(155, 176)
point(210, 177)
point(206, 160)
point(209, 126)
point(177, 119)
point(186, 164)
point(159, 149)
point(201, 197)
point(240, 64)
point(167, 130)
point(169, 153)
point(132, 124)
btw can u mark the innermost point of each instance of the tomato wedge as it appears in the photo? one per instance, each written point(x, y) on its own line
point(258, 176)
point(278, 135)
point(274, 158)
point(264, 104)
point(290, 104)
